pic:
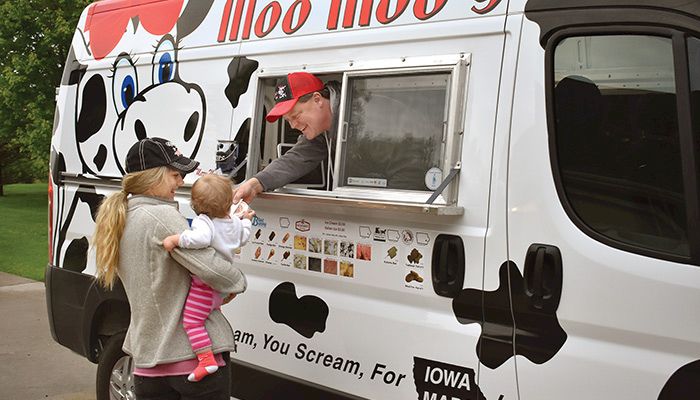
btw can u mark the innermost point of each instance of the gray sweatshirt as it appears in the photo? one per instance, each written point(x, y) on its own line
point(305, 155)
point(157, 283)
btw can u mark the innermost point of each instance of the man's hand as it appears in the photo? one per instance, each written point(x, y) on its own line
point(171, 242)
point(247, 190)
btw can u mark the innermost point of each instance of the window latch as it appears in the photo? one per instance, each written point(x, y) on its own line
point(445, 182)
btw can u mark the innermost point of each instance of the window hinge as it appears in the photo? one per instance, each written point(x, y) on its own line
point(445, 182)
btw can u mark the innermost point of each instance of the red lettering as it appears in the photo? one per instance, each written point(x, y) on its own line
point(488, 8)
point(276, 9)
point(236, 20)
point(224, 21)
point(383, 11)
point(248, 20)
point(349, 18)
point(349, 15)
point(303, 15)
point(333, 15)
point(421, 12)
point(366, 12)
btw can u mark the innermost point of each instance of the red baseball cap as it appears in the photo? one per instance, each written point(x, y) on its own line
point(288, 91)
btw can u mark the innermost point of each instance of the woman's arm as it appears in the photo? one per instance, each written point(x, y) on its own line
point(207, 264)
point(212, 268)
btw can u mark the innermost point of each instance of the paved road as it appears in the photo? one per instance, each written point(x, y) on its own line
point(32, 365)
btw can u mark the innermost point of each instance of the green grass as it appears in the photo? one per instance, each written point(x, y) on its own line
point(23, 230)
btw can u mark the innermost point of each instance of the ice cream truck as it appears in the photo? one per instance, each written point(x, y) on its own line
point(511, 209)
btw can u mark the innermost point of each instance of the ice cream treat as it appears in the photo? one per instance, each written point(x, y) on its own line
point(413, 276)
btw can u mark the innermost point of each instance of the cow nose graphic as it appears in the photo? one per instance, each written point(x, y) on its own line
point(191, 126)
point(140, 130)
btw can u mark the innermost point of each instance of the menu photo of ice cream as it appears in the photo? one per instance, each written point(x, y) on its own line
point(299, 242)
point(347, 249)
point(314, 264)
point(347, 269)
point(330, 247)
point(330, 266)
point(364, 252)
point(299, 261)
point(315, 245)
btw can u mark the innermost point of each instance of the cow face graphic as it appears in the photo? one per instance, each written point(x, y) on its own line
point(124, 101)
point(112, 97)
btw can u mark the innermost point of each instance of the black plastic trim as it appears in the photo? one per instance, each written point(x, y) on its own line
point(448, 265)
point(552, 18)
point(551, 44)
point(249, 382)
point(689, 148)
point(76, 304)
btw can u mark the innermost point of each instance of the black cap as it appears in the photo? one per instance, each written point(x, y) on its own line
point(157, 152)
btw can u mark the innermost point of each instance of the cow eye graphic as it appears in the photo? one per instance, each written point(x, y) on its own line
point(165, 68)
point(128, 91)
point(164, 62)
point(124, 83)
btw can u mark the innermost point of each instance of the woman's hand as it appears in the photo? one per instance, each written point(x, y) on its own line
point(228, 298)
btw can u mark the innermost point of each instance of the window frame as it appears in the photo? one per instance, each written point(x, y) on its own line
point(688, 154)
point(457, 65)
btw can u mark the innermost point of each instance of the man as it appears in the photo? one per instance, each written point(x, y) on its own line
point(310, 107)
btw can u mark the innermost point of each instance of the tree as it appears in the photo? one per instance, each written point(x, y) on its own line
point(35, 36)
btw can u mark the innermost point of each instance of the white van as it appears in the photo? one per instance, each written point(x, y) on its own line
point(513, 211)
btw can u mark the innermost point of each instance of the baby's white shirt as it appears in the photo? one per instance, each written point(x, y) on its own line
point(225, 235)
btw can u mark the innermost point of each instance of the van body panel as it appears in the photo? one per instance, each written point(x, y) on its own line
point(347, 294)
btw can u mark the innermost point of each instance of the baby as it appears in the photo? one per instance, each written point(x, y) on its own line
point(212, 200)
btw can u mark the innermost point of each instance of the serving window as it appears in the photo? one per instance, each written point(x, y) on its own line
point(398, 137)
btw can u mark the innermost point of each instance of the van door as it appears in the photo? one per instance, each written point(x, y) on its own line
point(603, 212)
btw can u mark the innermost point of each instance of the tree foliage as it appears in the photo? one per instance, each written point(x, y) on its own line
point(35, 36)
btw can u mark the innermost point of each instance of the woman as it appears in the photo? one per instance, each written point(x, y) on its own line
point(130, 227)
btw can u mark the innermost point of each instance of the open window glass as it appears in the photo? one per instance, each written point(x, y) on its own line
point(395, 126)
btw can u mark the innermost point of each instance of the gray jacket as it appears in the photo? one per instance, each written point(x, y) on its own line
point(305, 155)
point(156, 284)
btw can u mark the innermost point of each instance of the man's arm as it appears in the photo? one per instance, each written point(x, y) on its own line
point(295, 163)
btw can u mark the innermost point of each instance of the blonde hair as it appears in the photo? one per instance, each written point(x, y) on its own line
point(212, 195)
point(111, 218)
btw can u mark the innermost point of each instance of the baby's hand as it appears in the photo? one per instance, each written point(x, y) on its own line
point(248, 214)
point(171, 242)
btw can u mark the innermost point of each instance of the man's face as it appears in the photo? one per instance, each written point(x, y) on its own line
point(312, 117)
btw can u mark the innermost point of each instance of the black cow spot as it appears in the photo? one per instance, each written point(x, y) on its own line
point(239, 72)
point(92, 199)
point(76, 255)
point(538, 336)
point(100, 157)
point(140, 130)
point(684, 384)
point(306, 315)
point(192, 17)
point(93, 109)
point(191, 126)
point(87, 195)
